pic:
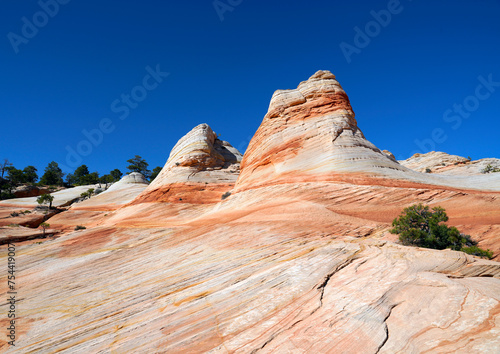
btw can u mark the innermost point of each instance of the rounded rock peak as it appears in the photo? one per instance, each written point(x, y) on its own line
point(133, 177)
point(203, 129)
point(320, 90)
point(199, 156)
point(323, 75)
point(200, 149)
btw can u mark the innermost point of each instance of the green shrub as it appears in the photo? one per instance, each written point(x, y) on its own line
point(14, 214)
point(79, 227)
point(87, 194)
point(225, 195)
point(428, 170)
point(419, 226)
point(476, 251)
point(6, 194)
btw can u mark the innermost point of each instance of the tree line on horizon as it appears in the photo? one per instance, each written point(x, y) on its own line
point(11, 177)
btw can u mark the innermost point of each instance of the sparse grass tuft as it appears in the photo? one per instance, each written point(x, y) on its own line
point(490, 169)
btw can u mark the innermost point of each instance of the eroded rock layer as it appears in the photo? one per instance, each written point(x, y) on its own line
point(99, 208)
point(310, 134)
point(443, 163)
point(237, 285)
point(201, 168)
point(298, 259)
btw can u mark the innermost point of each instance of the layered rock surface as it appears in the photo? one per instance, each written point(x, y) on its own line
point(297, 259)
point(119, 193)
point(310, 134)
point(61, 198)
point(34, 216)
point(443, 163)
point(201, 167)
point(99, 208)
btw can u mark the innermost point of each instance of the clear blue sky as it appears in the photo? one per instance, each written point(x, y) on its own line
point(75, 65)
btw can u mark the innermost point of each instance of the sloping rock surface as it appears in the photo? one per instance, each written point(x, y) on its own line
point(443, 163)
point(296, 260)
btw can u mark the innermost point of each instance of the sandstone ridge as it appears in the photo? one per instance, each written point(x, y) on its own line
point(446, 164)
point(199, 169)
point(298, 259)
point(311, 134)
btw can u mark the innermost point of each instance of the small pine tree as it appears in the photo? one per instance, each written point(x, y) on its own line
point(116, 174)
point(156, 172)
point(30, 175)
point(138, 164)
point(45, 198)
point(80, 173)
point(3, 166)
point(53, 175)
point(44, 226)
point(106, 179)
point(15, 176)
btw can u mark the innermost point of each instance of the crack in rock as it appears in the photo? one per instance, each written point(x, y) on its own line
point(321, 287)
point(386, 328)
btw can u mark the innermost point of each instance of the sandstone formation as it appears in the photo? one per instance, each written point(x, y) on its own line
point(119, 193)
point(86, 212)
point(443, 163)
point(297, 260)
point(21, 234)
point(29, 212)
point(91, 212)
point(390, 154)
point(25, 191)
point(61, 198)
point(200, 169)
point(310, 134)
point(24, 217)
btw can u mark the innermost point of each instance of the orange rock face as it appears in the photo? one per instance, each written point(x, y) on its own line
point(310, 134)
point(296, 259)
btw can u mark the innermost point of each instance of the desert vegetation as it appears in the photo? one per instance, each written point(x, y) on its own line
point(53, 177)
point(138, 164)
point(44, 226)
point(490, 169)
point(423, 227)
point(87, 194)
point(44, 199)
